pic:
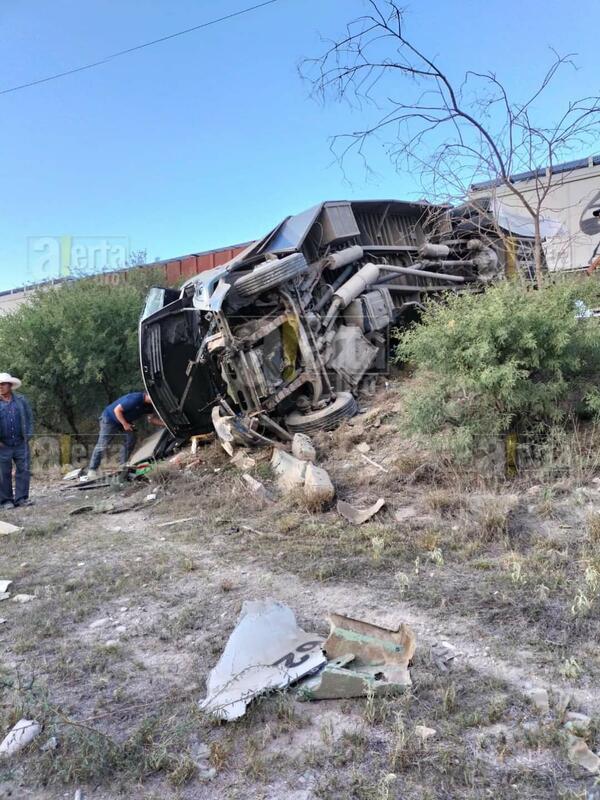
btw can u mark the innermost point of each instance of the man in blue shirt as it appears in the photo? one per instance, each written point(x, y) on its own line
point(117, 420)
point(16, 428)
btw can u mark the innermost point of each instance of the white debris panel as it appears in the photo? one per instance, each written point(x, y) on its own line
point(266, 651)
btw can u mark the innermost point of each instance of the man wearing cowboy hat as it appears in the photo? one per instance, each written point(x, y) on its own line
point(16, 428)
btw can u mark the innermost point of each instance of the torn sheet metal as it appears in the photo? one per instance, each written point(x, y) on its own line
point(359, 515)
point(159, 445)
point(267, 650)
point(364, 659)
point(6, 528)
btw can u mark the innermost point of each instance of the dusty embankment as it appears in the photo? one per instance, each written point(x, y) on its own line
point(130, 613)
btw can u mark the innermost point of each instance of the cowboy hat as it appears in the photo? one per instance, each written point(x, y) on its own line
point(6, 378)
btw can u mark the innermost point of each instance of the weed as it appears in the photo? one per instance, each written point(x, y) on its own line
point(378, 546)
point(449, 700)
point(219, 755)
point(592, 527)
point(581, 605)
point(492, 522)
point(384, 788)
point(370, 712)
point(402, 581)
point(436, 557)
point(399, 744)
point(183, 770)
point(445, 502)
point(570, 669)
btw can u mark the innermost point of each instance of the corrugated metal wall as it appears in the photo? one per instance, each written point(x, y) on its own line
point(179, 269)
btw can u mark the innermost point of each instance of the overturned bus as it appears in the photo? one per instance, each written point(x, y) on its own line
point(282, 337)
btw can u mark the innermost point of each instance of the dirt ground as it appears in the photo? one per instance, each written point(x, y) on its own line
point(129, 615)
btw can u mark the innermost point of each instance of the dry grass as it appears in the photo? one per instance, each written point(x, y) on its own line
point(445, 501)
point(122, 704)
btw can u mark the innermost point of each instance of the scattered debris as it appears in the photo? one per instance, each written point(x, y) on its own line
point(442, 655)
point(202, 438)
point(318, 488)
point(358, 515)
point(294, 474)
point(581, 755)
point(6, 528)
point(4, 595)
point(51, 744)
point(290, 470)
point(223, 429)
point(207, 774)
point(363, 447)
point(20, 735)
point(150, 497)
point(373, 463)
point(4, 584)
point(23, 598)
point(99, 623)
point(363, 658)
point(156, 446)
point(242, 460)
point(176, 522)
point(2, 621)
point(266, 650)
point(577, 724)
point(338, 681)
point(257, 487)
point(424, 733)
point(539, 698)
point(81, 510)
point(303, 448)
point(73, 475)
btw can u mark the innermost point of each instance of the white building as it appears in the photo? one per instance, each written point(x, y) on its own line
point(11, 299)
point(573, 204)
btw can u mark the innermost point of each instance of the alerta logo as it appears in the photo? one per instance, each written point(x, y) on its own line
point(63, 256)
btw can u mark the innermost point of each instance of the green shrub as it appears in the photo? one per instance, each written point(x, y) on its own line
point(513, 359)
point(75, 347)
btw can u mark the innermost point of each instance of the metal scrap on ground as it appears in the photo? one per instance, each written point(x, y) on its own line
point(359, 515)
point(266, 651)
point(363, 659)
point(6, 528)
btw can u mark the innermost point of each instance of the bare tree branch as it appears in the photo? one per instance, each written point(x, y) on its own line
point(484, 133)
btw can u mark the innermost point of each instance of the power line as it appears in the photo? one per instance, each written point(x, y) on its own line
point(138, 47)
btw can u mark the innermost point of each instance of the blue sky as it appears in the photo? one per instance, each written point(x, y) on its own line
point(210, 139)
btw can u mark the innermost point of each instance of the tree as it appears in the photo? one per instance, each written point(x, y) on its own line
point(452, 131)
point(75, 346)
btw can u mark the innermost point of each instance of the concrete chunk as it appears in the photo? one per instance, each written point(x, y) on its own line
point(424, 733)
point(290, 470)
point(318, 487)
point(539, 698)
point(303, 448)
point(23, 598)
point(577, 724)
point(581, 755)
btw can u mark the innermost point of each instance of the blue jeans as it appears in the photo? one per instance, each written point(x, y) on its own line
point(19, 455)
point(108, 430)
